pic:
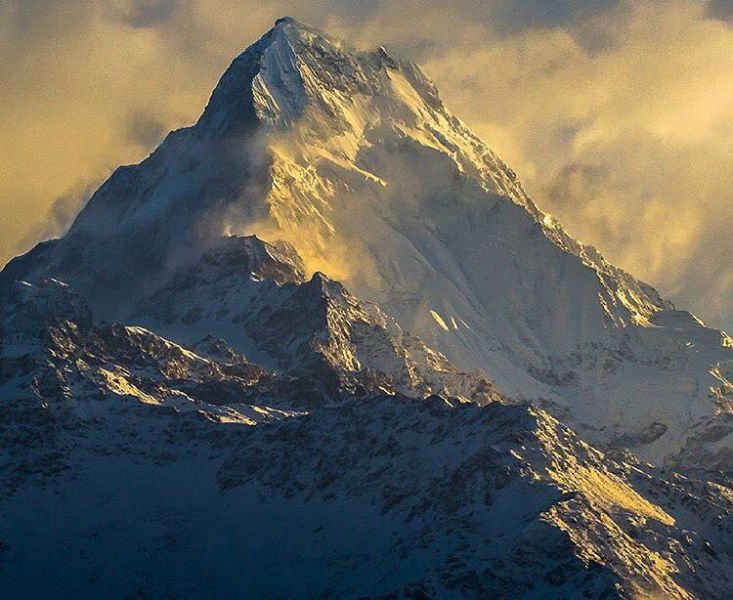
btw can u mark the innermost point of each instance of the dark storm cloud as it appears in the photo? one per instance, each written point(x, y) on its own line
point(55, 17)
point(504, 16)
point(28, 21)
point(516, 15)
point(149, 13)
point(145, 129)
point(61, 214)
point(721, 9)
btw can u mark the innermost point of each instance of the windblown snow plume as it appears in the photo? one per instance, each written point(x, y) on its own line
point(322, 341)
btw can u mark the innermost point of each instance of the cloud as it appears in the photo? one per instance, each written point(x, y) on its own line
point(516, 15)
point(148, 13)
point(145, 129)
point(721, 9)
point(617, 114)
point(629, 146)
point(60, 215)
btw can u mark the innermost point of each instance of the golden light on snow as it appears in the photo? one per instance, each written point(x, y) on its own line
point(620, 125)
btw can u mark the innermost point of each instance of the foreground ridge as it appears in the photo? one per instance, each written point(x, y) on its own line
point(499, 499)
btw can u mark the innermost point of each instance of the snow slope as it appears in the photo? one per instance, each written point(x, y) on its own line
point(321, 343)
point(137, 467)
point(352, 159)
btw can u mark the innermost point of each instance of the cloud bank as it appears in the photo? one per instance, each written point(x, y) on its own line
point(617, 114)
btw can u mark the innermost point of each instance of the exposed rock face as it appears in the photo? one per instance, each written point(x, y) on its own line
point(381, 400)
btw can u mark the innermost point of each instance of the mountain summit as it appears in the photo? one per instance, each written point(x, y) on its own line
point(342, 353)
point(353, 160)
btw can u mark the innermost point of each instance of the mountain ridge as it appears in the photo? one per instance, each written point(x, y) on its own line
point(324, 338)
point(111, 426)
point(374, 183)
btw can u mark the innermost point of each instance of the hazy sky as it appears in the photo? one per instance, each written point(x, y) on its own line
point(617, 115)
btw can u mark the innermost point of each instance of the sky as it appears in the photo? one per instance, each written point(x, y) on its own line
point(617, 115)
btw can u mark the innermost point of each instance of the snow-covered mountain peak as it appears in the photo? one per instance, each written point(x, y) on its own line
point(290, 22)
point(300, 37)
point(290, 68)
point(334, 308)
point(351, 161)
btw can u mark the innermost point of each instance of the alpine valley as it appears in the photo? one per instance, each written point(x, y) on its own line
point(322, 344)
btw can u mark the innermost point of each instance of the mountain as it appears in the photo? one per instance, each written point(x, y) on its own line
point(353, 160)
point(142, 468)
point(322, 343)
